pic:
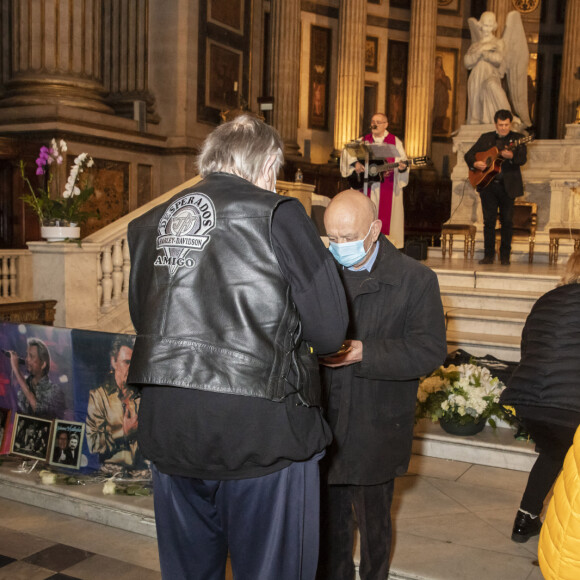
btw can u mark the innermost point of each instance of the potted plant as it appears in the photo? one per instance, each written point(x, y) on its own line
point(462, 398)
point(60, 216)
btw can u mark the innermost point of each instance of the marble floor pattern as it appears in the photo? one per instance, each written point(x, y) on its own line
point(452, 521)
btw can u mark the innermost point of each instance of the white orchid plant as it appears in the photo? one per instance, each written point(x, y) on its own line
point(69, 206)
point(460, 394)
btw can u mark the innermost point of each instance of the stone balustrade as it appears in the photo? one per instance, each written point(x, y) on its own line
point(90, 280)
point(15, 275)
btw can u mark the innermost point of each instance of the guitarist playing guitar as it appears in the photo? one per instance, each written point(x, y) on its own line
point(386, 193)
point(494, 165)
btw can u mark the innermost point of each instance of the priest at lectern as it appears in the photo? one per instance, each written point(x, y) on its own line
point(384, 185)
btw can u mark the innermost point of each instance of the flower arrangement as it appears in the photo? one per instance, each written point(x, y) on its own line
point(67, 209)
point(461, 395)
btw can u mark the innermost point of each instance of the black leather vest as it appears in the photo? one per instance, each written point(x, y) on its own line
point(210, 306)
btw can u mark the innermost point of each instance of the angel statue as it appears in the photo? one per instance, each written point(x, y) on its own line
point(490, 58)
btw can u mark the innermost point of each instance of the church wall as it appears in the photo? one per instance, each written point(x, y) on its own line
point(320, 139)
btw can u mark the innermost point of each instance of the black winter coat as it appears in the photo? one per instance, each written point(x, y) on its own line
point(396, 312)
point(549, 371)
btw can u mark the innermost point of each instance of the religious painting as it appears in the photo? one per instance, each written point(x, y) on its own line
point(228, 13)
point(31, 437)
point(67, 444)
point(223, 61)
point(370, 101)
point(224, 75)
point(397, 54)
point(532, 85)
point(111, 199)
point(371, 54)
point(448, 6)
point(320, 46)
point(444, 92)
point(144, 184)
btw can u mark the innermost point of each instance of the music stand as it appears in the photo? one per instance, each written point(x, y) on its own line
point(367, 151)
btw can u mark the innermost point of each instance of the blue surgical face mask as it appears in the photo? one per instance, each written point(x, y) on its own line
point(350, 253)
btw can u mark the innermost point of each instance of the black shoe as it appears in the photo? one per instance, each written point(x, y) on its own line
point(505, 261)
point(525, 527)
point(486, 260)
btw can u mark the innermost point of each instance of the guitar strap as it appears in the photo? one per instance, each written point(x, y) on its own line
point(386, 187)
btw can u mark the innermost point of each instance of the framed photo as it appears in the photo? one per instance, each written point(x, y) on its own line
point(444, 110)
point(371, 54)
point(320, 45)
point(67, 444)
point(31, 437)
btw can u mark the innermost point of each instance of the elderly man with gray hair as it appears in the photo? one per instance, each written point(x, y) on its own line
point(233, 296)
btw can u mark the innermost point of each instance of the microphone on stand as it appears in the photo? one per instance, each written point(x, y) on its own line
point(7, 355)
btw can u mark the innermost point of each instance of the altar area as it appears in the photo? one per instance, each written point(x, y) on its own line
point(551, 181)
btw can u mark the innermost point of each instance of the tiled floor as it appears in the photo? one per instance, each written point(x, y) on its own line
point(452, 522)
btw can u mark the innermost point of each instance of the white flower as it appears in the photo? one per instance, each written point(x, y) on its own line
point(47, 477)
point(109, 487)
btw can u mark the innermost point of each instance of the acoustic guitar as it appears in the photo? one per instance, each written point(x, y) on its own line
point(377, 171)
point(481, 178)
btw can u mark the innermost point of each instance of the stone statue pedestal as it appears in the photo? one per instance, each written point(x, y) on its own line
point(551, 180)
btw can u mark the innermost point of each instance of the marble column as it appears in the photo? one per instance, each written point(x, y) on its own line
point(500, 8)
point(55, 54)
point(570, 78)
point(125, 57)
point(285, 70)
point(351, 73)
point(421, 77)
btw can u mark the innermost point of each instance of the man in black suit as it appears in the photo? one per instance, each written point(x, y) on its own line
point(501, 192)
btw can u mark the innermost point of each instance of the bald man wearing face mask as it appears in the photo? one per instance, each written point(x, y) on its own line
point(396, 334)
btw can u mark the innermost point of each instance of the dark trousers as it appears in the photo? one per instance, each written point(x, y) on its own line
point(552, 444)
point(269, 525)
point(494, 197)
point(371, 505)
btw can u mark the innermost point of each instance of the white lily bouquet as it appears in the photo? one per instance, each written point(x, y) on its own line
point(460, 395)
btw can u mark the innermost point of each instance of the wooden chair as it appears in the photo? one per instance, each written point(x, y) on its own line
point(450, 230)
point(525, 223)
point(555, 235)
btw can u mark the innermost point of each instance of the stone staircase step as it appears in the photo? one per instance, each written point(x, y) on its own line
point(492, 277)
point(493, 447)
point(509, 281)
point(489, 299)
point(476, 320)
point(502, 347)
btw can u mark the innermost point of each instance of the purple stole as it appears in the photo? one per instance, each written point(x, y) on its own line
point(386, 187)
